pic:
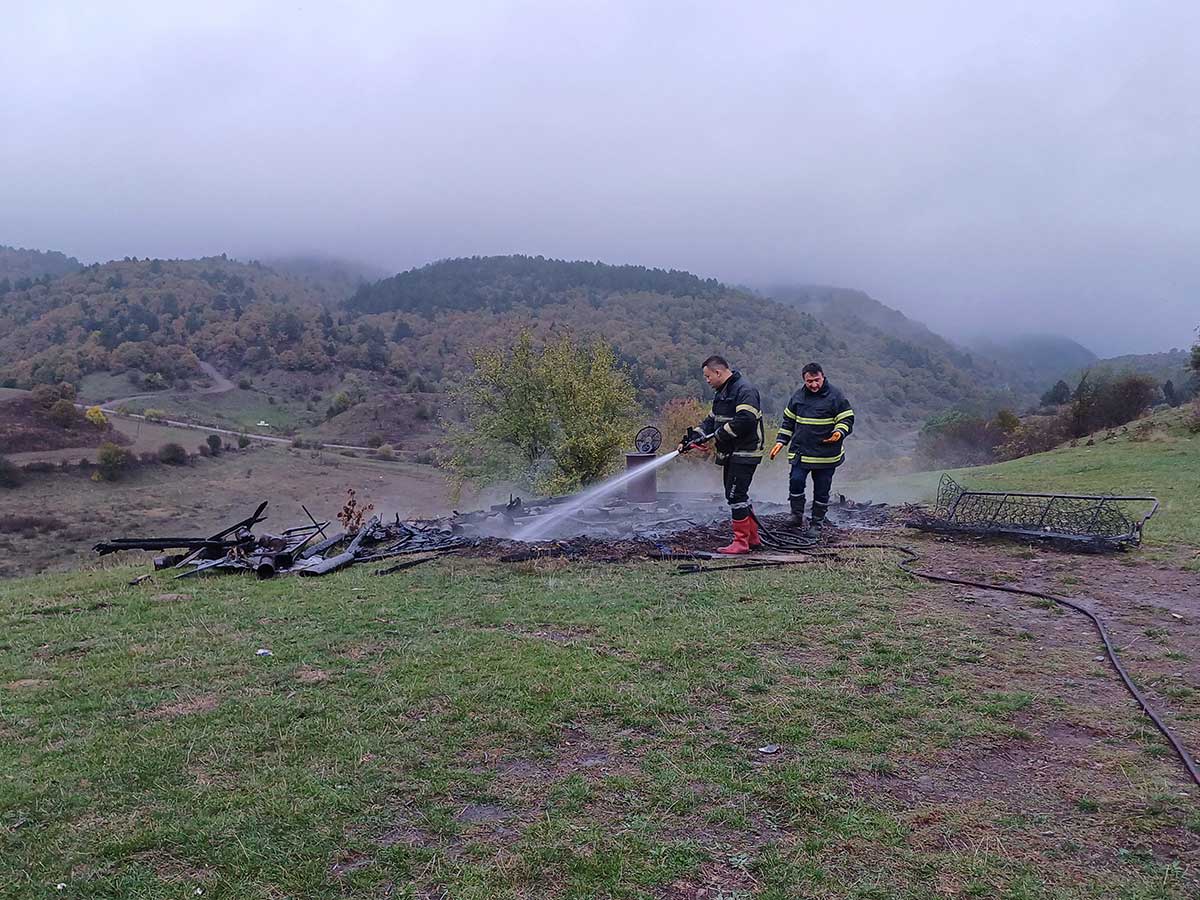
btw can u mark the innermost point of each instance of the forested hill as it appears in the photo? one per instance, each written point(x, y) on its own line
point(159, 315)
point(501, 282)
point(419, 329)
point(662, 323)
point(19, 268)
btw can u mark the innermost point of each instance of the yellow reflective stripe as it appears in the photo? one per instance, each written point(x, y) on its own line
point(757, 453)
point(757, 412)
point(821, 459)
point(803, 421)
point(843, 415)
point(784, 434)
point(842, 426)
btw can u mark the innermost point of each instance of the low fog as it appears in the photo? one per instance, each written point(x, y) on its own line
point(1024, 167)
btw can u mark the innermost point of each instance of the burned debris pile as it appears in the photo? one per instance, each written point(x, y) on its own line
point(617, 530)
point(294, 551)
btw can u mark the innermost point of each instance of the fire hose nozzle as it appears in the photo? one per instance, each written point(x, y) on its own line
point(690, 443)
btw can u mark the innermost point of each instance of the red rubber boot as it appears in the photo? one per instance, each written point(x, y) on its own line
point(752, 537)
point(741, 538)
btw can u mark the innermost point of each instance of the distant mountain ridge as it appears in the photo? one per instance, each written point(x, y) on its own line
point(854, 309)
point(18, 265)
point(334, 279)
point(1030, 363)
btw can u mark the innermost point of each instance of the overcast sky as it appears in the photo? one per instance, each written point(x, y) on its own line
point(995, 167)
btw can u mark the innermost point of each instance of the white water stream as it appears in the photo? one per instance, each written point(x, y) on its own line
point(543, 525)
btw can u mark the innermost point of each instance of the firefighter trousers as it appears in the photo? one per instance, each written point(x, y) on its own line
point(737, 478)
point(822, 480)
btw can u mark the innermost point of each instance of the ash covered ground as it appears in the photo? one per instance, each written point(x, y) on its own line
point(619, 529)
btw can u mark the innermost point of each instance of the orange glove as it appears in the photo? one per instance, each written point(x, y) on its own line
point(775, 450)
point(833, 438)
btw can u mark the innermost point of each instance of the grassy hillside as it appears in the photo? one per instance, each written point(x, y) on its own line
point(1159, 456)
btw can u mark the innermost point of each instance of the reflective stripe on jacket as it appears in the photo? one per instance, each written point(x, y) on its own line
point(737, 409)
point(809, 419)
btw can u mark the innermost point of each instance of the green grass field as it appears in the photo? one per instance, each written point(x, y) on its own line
point(475, 730)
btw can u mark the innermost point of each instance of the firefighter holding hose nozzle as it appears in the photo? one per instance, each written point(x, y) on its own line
point(735, 426)
point(816, 423)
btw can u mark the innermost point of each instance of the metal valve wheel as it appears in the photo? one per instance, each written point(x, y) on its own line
point(648, 440)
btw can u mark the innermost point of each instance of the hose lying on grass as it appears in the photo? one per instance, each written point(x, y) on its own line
point(801, 545)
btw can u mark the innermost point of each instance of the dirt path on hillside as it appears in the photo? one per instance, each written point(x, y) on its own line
point(220, 384)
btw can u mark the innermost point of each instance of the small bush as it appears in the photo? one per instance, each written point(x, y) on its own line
point(154, 415)
point(10, 473)
point(385, 451)
point(44, 467)
point(95, 416)
point(172, 454)
point(298, 444)
point(64, 413)
point(111, 461)
point(244, 384)
point(375, 441)
point(341, 402)
point(214, 443)
point(204, 450)
point(148, 458)
point(46, 395)
point(243, 441)
point(349, 453)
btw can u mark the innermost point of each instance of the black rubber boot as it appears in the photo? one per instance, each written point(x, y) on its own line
point(797, 516)
point(813, 532)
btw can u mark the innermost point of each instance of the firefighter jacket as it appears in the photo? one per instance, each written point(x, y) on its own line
point(809, 419)
point(736, 411)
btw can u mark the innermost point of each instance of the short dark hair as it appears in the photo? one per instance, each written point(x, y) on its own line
point(714, 362)
point(812, 369)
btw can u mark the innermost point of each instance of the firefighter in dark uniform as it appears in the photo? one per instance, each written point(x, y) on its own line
point(815, 425)
point(736, 419)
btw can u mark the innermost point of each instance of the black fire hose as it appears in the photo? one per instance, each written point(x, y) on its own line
point(911, 556)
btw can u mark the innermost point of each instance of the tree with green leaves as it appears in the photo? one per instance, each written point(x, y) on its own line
point(552, 418)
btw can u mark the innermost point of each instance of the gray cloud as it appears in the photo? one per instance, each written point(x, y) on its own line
point(1026, 166)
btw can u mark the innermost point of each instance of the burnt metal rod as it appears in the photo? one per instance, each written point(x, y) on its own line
point(320, 528)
